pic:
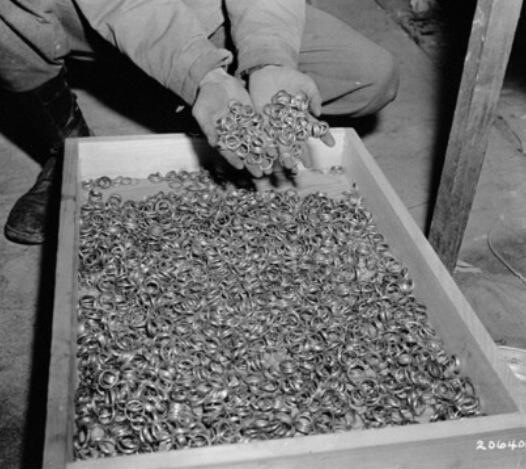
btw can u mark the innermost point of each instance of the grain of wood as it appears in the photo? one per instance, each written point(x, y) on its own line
point(489, 48)
point(61, 385)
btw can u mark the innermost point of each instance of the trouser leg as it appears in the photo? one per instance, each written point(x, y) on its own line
point(33, 44)
point(53, 107)
point(354, 75)
point(32, 52)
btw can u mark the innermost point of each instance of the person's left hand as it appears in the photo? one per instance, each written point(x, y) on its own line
point(265, 82)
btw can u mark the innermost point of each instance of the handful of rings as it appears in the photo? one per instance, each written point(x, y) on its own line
point(277, 134)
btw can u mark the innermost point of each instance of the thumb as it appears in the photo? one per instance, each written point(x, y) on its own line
point(210, 132)
point(315, 101)
point(202, 116)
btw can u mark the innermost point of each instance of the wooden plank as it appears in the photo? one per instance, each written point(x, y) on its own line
point(443, 444)
point(136, 156)
point(493, 29)
point(59, 421)
point(452, 444)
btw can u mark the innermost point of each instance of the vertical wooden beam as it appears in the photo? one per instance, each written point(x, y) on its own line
point(489, 48)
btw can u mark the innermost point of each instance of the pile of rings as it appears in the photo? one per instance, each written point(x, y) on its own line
point(213, 315)
point(279, 134)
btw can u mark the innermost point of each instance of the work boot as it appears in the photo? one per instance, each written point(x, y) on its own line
point(53, 106)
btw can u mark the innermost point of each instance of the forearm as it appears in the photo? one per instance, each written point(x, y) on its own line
point(267, 31)
point(163, 37)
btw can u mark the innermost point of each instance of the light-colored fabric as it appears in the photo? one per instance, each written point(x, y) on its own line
point(354, 75)
point(32, 43)
point(178, 41)
point(168, 39)
point(165, 38)
point(266, 32)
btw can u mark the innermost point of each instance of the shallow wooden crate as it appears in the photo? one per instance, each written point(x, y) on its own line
point(440, 444)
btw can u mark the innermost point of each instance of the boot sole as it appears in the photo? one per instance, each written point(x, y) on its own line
point(21, 237)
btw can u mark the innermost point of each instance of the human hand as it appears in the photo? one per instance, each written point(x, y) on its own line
point(266, 82)
point(216, 91)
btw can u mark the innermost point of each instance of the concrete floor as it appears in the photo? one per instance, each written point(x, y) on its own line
point(406, 140)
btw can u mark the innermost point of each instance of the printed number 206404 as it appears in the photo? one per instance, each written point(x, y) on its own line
point(492, 445)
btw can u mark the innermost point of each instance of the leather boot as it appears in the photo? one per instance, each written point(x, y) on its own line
point(53, 106)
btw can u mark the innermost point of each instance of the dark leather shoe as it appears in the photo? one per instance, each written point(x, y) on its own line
point(34, 214)
point(27, 220)
point(53, 107)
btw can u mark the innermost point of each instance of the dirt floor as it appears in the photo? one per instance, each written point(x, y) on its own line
point(407, 138)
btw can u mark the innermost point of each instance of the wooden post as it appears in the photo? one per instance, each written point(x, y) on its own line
point(489, 48)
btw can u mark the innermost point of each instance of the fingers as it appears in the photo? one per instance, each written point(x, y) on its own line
point(289, 156)
point(255, 170)
point(210, 133)
point(315, 101)
point(206, 124)
point(306, 156)
point(268, 170)
point(232, 158)
point(272, 153)
point(238, 163)
point(328, 139)
point(286, 159)
point(315, 107)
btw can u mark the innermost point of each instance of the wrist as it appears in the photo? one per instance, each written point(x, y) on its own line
point(250, 71)
point(215, 75)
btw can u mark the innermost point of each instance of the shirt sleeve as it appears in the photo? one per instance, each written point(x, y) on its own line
point(163, 37)
point(266, 32)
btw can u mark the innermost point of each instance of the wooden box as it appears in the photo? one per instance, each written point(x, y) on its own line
point(497, 439)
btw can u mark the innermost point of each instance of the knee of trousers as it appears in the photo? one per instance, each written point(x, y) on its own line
point(380, 85)
point(387, 81)
point(383, 84)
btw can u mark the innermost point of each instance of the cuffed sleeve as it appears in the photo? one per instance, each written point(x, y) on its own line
point(266, 32)
point(163, 37)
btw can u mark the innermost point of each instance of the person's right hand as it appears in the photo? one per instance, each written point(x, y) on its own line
point(216, 90)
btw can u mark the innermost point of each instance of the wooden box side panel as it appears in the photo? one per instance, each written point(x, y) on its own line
point(59, 422)
point(447, 444)
point(138, 156)
point(449, 312)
